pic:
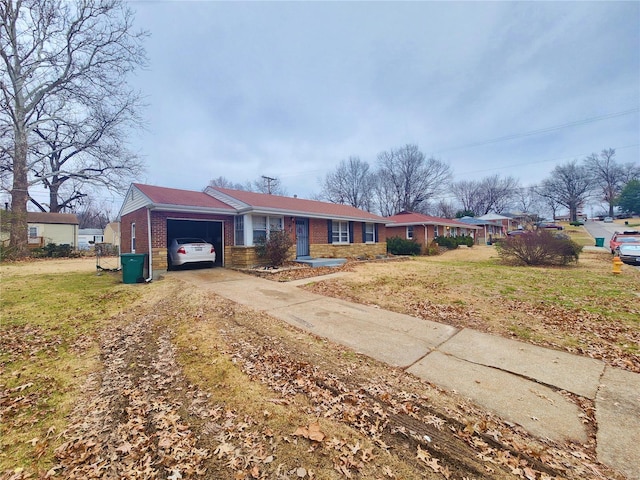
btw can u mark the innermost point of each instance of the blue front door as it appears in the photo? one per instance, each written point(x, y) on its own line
point(302, 237)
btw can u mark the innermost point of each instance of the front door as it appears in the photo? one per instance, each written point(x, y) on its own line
point(302, 237)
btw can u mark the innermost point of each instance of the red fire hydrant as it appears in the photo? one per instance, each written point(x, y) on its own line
point(617, 265)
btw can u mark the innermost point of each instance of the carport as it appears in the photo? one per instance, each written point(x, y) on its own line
point(211, 231)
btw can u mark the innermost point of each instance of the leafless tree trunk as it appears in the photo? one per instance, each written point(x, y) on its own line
point(58, 57)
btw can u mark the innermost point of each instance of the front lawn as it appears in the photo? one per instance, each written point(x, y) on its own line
point(583, 309)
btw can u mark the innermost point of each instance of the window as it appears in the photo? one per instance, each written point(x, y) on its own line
point(239, 231)
point(262, 225)
point(435, 231)
point(259, 229)
point(410, 232)
point(369, 233)
point(339, 232)
point(33, 232)
point(133, 238)
point(275, 223)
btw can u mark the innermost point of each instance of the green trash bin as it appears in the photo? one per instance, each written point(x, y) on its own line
point(132, 267)
point(599, 241)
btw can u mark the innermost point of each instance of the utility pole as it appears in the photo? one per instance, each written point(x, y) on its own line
point(268, 180)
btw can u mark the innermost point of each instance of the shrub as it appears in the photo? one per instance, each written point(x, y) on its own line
point(401, 246)
point(51, 250)
point(454, 242)
point(539, 247)
point(447, 242)
point(576, 224)
point(275, 249)
point(433, 248)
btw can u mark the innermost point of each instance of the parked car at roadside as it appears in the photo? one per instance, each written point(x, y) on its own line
point(550, 225)
point(190, 250)
point(608, 220)
point(627, 237)
point(629, 253)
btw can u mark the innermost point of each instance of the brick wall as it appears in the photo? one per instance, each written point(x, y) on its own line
point(352, 250)
point(159, 225)
point(139, 217)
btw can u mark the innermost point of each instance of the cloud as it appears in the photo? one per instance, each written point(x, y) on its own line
point(242, 89)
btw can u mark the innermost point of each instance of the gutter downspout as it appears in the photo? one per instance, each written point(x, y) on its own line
point(150, 251)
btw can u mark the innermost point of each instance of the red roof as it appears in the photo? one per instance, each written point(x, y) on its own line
point(174, 196)
point(292, 205)
point(412, 218)
point(235, 201)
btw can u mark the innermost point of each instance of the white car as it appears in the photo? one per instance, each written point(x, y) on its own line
point(190, 250)
point(629, 254)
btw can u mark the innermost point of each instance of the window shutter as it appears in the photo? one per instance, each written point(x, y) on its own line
point(376, 233)
point(330, 230)
point(351, 232)
point(364, 232)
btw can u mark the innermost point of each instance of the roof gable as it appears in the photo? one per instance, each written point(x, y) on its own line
point(174, 196)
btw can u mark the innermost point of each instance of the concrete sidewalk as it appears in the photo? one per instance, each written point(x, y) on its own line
point(519, 382)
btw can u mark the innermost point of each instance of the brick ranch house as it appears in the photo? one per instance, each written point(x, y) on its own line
point(232, 220)
point(423, 229)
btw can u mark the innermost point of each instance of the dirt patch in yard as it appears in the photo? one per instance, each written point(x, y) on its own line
point(50, 265)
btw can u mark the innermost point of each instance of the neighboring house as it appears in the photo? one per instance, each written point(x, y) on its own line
point(88, 237)
point(58, 228)
point(112, 234)
point(423, 229)
point(488, 229)
point(233, 220)
point(507, 223)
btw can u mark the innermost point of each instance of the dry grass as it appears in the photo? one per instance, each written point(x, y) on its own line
point(103, 379)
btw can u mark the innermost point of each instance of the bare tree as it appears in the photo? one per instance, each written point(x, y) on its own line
point(268, 185)
point(91, 215)
point(610, 176)
point(226, 183)
point(498, 193)
point(351, 183)
point(84, 151)
point(58, 57)
point(491, 194)
point(385, 196)
point(445, 209)
point(409, 179)
point(569, 185)
point(469, 195)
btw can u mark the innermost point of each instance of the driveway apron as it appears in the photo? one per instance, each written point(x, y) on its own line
point(521, 383)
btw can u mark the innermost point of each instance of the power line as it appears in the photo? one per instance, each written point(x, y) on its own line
point(584, 121)
point(502, 167)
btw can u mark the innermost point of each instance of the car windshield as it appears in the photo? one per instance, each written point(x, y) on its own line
point(182, 241)
point(629, 239)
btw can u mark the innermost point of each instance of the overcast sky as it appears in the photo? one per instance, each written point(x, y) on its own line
point(288, 89)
